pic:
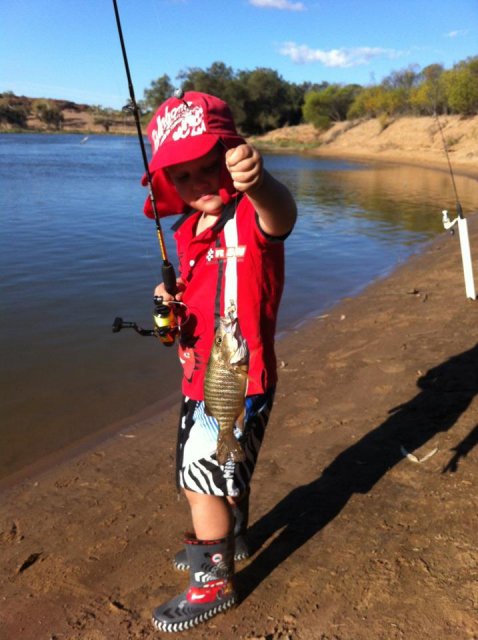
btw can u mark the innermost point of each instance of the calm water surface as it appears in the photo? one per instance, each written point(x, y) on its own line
point(76, 251)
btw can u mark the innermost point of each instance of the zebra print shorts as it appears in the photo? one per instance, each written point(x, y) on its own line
point(196, 466)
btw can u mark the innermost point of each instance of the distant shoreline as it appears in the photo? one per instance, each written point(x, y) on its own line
point(66, 132)
point(408, 140)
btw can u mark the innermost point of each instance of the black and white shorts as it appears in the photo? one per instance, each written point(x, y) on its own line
point(196, 465)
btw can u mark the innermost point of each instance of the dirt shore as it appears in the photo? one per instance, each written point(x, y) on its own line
point(409, 140)
point(352, 539)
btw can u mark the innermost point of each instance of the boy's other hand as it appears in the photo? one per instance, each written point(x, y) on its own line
point(160, 291)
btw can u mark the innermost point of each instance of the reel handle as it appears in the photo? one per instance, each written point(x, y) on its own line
point(117, 325)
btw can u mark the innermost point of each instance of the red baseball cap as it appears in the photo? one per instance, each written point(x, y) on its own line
point(183, 129)
point(188, 128)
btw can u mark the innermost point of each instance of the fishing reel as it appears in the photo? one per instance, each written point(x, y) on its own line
point(447, 223)
point(165, 325)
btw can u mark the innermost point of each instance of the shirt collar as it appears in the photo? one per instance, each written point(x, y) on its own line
point(228, 212)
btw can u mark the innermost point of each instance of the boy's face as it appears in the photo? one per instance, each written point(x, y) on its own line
point(198, 181)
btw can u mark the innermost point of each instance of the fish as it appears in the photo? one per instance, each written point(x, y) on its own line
point(225, 385)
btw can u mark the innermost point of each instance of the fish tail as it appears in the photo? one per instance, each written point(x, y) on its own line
point(228, 447)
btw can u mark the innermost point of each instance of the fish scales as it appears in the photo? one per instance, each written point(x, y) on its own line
point(225, 386)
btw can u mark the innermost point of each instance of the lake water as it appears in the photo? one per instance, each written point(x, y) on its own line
point(76, 251)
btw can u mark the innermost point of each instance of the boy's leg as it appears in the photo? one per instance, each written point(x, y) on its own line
point(208, 487)
point(211, 515)
point(203, 475)
point(240, 519)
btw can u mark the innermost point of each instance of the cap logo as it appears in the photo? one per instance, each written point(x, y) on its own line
point(178, 123)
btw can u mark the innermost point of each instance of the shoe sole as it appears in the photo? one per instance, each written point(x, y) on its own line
point(174, 627)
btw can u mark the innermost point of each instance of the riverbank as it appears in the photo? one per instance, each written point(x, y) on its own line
point(406, 140)
point(353, 540)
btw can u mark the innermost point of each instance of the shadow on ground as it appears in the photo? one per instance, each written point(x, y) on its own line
point(445, 393)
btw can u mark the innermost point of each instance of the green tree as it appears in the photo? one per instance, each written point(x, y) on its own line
point(294, 103)
point(329, 105)
point(159, 91)
point(369, 102)
point(395, 101)
point(265, 100)
point(429, 96)
point(260, 100)
point(461, 84)
point(13, 111)
point(403, 79)
point(218, 80)
point(314, 111)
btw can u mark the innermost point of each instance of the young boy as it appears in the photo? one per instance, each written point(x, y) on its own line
point(231, 255)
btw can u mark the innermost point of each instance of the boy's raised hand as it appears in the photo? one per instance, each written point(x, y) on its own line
point(245, 165)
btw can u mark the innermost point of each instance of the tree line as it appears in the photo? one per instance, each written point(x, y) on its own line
point(261, 100)
point(15, 110)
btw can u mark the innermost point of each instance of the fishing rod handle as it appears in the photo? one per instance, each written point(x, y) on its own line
point(169, 277)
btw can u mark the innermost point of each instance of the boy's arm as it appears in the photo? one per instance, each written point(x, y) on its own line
point(272, 200)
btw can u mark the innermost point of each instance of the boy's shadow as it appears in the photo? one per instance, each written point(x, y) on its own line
point(445, 393)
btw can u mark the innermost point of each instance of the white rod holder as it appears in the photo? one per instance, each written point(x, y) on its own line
point(466, 258)
point(465, 251)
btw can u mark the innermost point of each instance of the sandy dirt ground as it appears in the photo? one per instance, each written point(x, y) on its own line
point(352, 539)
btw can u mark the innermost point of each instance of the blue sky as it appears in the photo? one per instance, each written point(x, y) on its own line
point(69, 49)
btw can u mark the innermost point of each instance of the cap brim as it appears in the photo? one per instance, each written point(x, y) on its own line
point(182, 151)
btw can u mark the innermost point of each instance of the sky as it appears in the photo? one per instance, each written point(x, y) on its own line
point(69, 49)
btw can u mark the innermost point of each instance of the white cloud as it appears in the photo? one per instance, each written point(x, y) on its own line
point(278, 4)
point(303, 54)
point(457, 33)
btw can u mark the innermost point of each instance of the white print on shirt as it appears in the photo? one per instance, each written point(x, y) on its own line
point(180, 122)
point(223, 253)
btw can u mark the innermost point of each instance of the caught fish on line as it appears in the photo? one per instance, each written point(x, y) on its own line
point(225, 384)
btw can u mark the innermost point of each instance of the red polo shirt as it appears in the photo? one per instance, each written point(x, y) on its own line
point(232, 260)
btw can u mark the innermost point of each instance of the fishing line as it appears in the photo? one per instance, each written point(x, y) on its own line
point(459, 210)
point(169, 276)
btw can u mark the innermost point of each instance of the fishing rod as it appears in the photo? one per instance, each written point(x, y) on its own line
point(165, 323)
point(462, 223)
